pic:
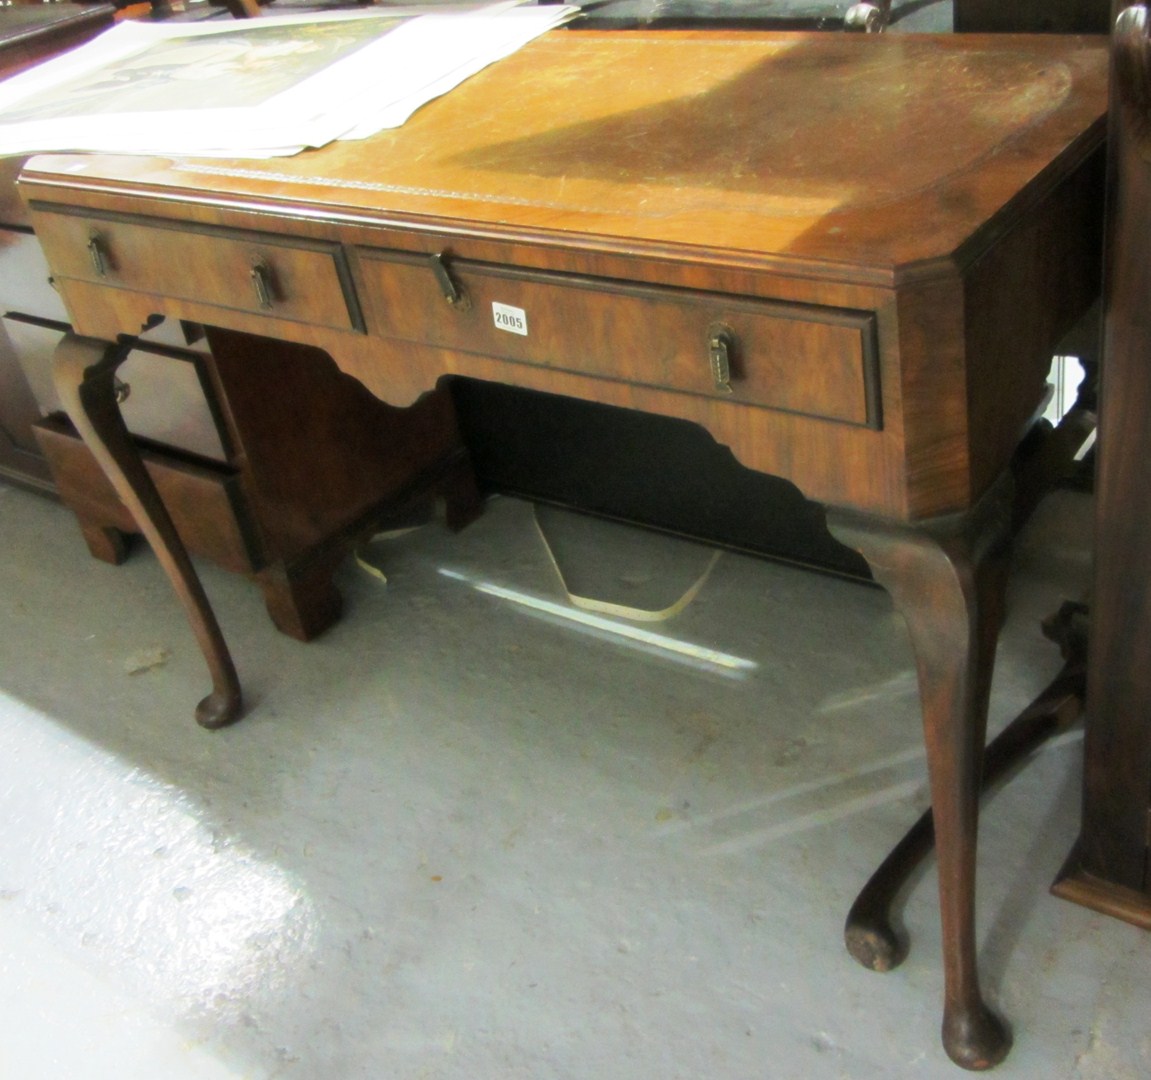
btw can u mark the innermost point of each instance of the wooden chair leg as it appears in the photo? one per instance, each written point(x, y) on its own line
point(947, 579)
point(84, 370)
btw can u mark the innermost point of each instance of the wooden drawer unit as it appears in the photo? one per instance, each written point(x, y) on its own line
point(799, 358)
point(167, 396)
point(206, 502)
point(284, 278)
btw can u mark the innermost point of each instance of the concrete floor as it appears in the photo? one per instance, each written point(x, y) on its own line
point(475, 834)
point(468, 836)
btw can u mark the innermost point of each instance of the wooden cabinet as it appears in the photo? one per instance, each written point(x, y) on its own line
point(28, 35)
point(177, 412)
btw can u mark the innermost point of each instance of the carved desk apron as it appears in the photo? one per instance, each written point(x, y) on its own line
point(847, 258)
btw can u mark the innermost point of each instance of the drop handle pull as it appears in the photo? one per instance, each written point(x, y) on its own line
point(453, 294)
point(263, 285)
point(98, 255)
point(720, 350)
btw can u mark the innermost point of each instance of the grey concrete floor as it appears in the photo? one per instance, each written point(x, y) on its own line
point(472, 832)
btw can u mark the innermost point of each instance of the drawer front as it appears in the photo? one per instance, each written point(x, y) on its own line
point(300, 280)
point(207, 505)
point(812, 360)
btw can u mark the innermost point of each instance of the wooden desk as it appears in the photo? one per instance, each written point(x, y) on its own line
point(848, 259)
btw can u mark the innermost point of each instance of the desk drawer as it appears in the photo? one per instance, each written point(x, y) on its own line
point(799, 358)
point(300, 280)
point(206, 502)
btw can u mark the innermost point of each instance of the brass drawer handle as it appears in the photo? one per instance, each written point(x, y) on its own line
point(263, 284)
point(720, 349)
point(98, 255)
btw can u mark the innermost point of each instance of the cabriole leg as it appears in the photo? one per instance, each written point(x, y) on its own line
point(869, 931)
point(947, 580)
point(84, 372)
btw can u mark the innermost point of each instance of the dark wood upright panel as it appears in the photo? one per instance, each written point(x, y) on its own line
point(1108, 869)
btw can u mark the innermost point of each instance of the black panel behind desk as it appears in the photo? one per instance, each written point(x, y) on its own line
point(561, 450)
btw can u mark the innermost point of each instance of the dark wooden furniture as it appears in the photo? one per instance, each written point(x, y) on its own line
point(863, 300)
point(216, 513)
point(29, 35)
point(873, 16)
point(1049, 16)
point(1110, 867)
point(733, 14)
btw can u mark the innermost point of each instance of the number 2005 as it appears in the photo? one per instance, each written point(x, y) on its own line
point(512, 319)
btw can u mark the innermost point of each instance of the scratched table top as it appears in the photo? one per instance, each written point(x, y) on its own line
point(873, 153)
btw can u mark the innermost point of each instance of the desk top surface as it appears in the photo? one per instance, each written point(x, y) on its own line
point(878, 156)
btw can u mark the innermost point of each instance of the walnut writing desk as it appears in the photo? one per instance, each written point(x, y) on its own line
point(847, 258)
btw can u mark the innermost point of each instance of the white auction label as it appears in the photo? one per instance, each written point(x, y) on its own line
point(512, 319)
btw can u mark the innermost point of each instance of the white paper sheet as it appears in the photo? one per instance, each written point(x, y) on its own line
point(260, 87)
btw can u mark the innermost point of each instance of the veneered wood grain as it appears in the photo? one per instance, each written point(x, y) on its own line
point(302, 278)
point(204, 501)
point(799, 358)
point(842, 464)
point(1013, 318)
point(813, 170)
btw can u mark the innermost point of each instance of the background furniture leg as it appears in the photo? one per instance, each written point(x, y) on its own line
point(303, 601)
point(84, 370)
point(947, 580)
point(105, 542)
